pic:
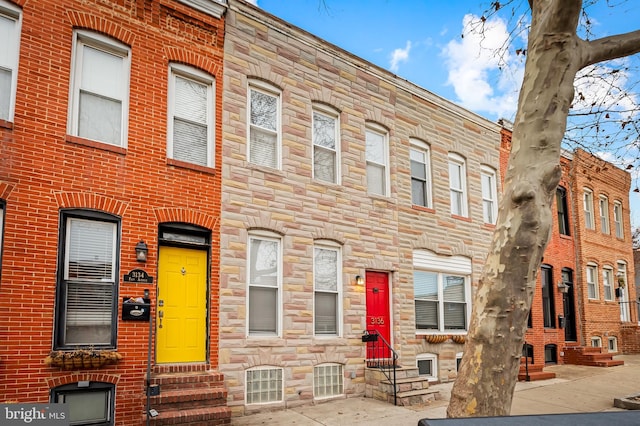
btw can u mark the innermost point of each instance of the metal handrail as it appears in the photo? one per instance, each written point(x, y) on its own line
point(381, 355)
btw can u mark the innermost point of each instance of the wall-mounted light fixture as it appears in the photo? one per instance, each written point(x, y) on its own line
point(621, 282)
point(141, 251)
point(359, 280)
point(564, 288)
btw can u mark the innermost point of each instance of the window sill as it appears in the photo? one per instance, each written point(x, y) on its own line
point(462, 218)
point(191, 166)
point(94, 144)
point(422, 208)
point(4, 124)
point(489, 226)
point(565, 237)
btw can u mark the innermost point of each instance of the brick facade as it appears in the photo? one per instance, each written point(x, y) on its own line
point(44, 171)
point(374, 233)
point(572, 250)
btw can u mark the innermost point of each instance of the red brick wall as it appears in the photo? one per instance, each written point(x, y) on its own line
point(42, 170)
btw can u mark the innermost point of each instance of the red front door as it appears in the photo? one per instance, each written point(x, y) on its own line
point(378, 319)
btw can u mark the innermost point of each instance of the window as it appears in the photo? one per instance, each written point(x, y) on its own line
point(617, 219)
point(588, 209)
point(428, 366)
point(596, 342)
point(441, 291)
point(457, 185)
point(613, 344)
point(99, 89)
point(607, 283)
point(89, 403)
point(264, 385)
point(325, 145)
point(592, 281)
point(1, 230)
point(87, 284)
point(550, 354)
point(377, 161)
point(191, 115)
point(328, 380)
point(458, 361)
point(327, 285)
point(264, 126)
point(489, 195)
point(419, 155)
point(563, 211)
point(265, 263)
point(10, 20)
point(604, 214)
point(548, 308)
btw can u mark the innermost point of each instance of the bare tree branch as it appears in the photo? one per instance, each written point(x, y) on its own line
point(612, 47)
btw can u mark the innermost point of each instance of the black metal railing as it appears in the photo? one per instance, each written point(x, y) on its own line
point(381, 355)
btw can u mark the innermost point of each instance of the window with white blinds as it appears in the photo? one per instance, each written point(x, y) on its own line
point(325, 146)
point(100, 89)
point(419, 155)
point(264, 127)
point(10, 18)
point(442, 294)
point(377, 158)
point(87, 295)
point(326, 280)
point(191, 116)
point(264, 265)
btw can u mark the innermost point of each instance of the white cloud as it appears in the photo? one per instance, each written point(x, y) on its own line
point(253, 2)
point(485, 76)
point(399, 55)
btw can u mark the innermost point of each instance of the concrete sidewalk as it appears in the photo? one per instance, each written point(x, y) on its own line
point(576, 389)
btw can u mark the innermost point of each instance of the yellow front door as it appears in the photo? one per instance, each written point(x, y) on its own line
point(181, 317)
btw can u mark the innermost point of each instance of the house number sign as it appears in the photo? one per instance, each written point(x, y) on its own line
point(137, 276)
point(377, 320)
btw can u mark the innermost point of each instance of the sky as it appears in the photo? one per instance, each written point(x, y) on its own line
point(420, 40)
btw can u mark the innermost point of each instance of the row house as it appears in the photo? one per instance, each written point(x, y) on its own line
point(110, 171)
point(583, 311)
point(353, 201)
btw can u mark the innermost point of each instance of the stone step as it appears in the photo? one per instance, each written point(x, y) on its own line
point(415, 397)
point(210, 416)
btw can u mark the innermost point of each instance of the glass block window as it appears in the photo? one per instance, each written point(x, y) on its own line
point(264, 385)
point(328, 380)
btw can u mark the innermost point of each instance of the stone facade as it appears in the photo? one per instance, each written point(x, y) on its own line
point(374, 233)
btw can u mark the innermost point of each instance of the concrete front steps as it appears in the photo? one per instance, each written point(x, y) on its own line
point(190, 395)
point(588, 355)
point(412, 389)
point(531, 372)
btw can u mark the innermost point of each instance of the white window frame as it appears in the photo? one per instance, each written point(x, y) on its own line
point(330, 113)
point(11, 48)
point(457, 164)
point(383, 163)
point(489, 195)
point(617, 219)
point(270, 237)
point(607, 282)
point(417, 149)
point(587, 197)
point(596, 341)
point(433, 358)
point(82, 39)
point(458, 360)
point(268, 90)
point(603, 206)
point(612, 344)
point(190, 73)
point(269, 385)
point(328, 246)
point(456, 266)
point(328, 380)
point(592, 281)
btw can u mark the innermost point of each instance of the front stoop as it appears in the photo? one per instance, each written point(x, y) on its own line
point(531, 372)
point(190, 395)
point(591, 356)
point(412, 389)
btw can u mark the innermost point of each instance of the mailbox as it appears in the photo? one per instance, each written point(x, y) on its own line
point(134, 310)
point(370, 337)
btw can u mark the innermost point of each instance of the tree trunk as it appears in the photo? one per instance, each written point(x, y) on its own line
point(502, 302)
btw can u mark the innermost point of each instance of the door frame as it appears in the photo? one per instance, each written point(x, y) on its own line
point(188, 236)
point(389, 302)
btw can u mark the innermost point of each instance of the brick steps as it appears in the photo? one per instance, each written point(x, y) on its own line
point(590, 356)
point(189, 396)
point(533, 372)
